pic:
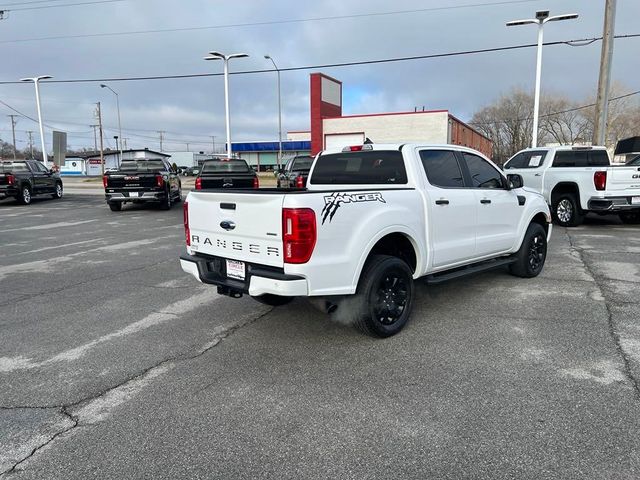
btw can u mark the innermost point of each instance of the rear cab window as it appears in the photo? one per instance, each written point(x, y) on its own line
point(143, 165)
point(8, 167)
point(375, 167)
point(225, 166)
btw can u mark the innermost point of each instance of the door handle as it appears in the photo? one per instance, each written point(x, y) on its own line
point(485, 201)
point(538, 175)
point(442, 202)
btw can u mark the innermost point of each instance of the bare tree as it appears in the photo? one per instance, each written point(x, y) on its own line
point(563, 122)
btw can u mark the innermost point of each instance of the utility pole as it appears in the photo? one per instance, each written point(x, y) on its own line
point(125, 142)
point(187, 147)
point(213, 144)
point(30, 133)
point(604, 81)
point(99, 113)
point(95, 137)
point(13, 130)
point(161, 132)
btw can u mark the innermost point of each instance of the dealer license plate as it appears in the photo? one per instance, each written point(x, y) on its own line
point(235, 269)
point(133, 194)
point(635, 200)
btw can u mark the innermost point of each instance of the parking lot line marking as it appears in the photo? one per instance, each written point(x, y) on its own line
point(50, 225)
point(170, 312)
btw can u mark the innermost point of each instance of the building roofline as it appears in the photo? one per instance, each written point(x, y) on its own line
point(386, 114)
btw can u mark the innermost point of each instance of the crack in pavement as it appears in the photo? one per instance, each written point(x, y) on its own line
point(220, 333)
point(628, 372)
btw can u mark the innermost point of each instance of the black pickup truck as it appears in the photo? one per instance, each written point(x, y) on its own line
point(142, 181)
point(24, 179)
point(223, 173)
point(295, 172)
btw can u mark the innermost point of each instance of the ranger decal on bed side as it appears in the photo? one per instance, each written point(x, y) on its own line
point(333, 202)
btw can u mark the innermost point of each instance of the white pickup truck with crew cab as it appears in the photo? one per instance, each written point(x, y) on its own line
point(577, 180)
point(372, 219)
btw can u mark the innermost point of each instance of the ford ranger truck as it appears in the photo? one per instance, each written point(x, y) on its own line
point(578, 180)
point(372, 220)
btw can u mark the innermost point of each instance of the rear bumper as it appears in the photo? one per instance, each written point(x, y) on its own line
point(142, 196)
point(259, 280)
point(7, 191)
point(611, 204)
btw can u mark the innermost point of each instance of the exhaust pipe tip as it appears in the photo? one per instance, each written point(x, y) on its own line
point(330, 307)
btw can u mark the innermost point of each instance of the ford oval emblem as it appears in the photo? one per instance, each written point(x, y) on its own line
point(227, 224)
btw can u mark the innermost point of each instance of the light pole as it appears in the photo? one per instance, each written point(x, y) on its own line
point(268, 57)
point(542, 17)
point(36, 80)
point(102, 85)
point(225, 59)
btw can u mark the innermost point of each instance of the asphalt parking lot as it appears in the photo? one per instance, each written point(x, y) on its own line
point(115, 364)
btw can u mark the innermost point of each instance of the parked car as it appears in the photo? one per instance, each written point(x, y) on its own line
point(372, 219)
point(577, 180)
point(142, 181)
point(192, 171)
point(24, 179)
point(223, 173)
point(295, 172)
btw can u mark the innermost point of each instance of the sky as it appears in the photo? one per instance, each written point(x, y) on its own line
point(295, 34)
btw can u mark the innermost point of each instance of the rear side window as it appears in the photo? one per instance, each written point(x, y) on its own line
point(442, 168)
point(224, 166)
point(483, 174)
point(302, 163)
point(571, 158)
point(598, 158)
point(359, 168)
point(532, 159)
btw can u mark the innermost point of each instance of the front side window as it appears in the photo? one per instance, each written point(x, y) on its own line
point(531, 159)
point(483, 174)
point(442, 168)
point(376, 167)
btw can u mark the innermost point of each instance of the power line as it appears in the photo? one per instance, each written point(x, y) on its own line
point(31, 2)
point(266, 23)
point(329, 65)
point(40, 7)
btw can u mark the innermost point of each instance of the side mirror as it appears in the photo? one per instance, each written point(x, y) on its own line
point(515, 181)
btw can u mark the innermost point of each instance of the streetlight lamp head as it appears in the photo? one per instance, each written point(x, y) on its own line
point(514, 23)
point(267, 57)
point(568, 16)
point(102, 85)
point(239, 55)
point(542, 14)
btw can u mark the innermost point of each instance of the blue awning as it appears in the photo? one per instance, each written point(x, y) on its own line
point(270, 146)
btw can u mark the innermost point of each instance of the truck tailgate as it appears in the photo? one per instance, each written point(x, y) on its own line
point(246, 227)
point(624, 180)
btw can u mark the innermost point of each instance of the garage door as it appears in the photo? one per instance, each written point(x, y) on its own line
point(339, 140)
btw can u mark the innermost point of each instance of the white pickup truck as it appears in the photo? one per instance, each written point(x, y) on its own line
point(577, 180)
point(372, 219)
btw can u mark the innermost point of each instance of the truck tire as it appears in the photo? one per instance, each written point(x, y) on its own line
point(630, 218)
point(166, 203)
point(384, 296)
point(58, 191)
point(532, 254)
point(24, 197)
point(272, 300)
point(566, 210)
point(115, 206)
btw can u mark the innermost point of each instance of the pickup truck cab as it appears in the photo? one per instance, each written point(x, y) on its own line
point(372, 219)
point(24, 179)
point(295, 172)
point(226, 173)
point(577, 180)
point(142, 181)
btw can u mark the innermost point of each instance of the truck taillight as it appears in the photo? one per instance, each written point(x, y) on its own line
point(105, 181)
point(256, 182)
point(185, 215)
point(159, 181)
point(198, 183)
point(299, 181)
point(10, 179)
point(600, 180)
point(298, 234)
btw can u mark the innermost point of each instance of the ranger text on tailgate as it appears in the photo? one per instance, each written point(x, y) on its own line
point(372, 219)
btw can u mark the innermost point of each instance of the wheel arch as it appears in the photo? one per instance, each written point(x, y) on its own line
point(565, 187)
point(394, 241)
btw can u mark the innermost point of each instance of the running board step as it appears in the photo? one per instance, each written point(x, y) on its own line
point(468, 270)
